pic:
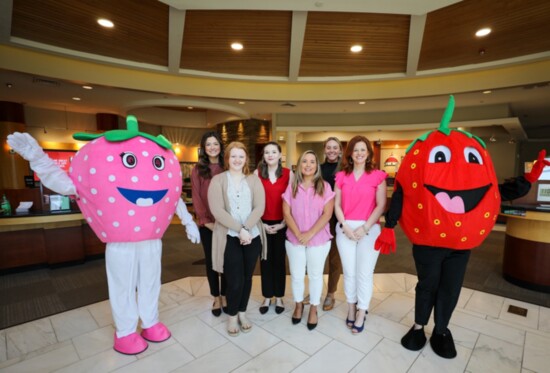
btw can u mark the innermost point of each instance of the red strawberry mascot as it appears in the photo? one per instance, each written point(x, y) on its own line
point(446, 200)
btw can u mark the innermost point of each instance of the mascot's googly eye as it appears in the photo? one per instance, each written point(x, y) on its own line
point(440, 154)
point(129, 160)
point(158, 162)
point(472, 155)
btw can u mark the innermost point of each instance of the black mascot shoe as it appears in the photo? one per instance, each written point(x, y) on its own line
point(443, 344)
point(414, 340)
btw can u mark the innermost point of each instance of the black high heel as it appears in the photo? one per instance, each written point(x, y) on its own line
point(311, 325)
point(296, 320)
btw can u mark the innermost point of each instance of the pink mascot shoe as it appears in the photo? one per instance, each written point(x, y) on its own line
point(132, 344)
point(157, 333)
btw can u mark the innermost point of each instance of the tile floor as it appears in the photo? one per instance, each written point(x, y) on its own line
point(488, 338)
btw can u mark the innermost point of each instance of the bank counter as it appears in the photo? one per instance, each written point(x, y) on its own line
point(527, 246)
point(46, 238)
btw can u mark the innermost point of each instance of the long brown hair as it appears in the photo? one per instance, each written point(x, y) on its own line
point(204, 160)
point(262, 166)
point(347, 162)
point(318, 182)
point(236, 145)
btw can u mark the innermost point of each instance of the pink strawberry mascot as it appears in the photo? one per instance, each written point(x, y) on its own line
point(128, 186)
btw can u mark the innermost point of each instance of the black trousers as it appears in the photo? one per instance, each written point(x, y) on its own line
point(273, 269)
point(440, 274)
point(216, 280)
point(239, 263)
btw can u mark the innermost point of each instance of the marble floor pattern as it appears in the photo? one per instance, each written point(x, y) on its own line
point(488, 337)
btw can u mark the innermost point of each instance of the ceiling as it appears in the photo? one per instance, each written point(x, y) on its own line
point(169, 61)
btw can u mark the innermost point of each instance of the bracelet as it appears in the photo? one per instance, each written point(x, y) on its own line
point(245, 228)
point(365, 229)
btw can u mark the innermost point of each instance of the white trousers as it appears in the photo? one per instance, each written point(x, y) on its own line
point(133, 266)
point(312, 258)
point(358, 262)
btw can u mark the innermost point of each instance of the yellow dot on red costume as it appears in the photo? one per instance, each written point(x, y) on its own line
point(437, 222)
point(416, 151)
point(416, 230)
point(458, 224)
point(415, 185)
point(413, 165)
point(482, 232)
point(420, 207)
point(486, 215)
point(443, 235)
point(464, 239)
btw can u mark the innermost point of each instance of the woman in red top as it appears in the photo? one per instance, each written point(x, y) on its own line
point(275, 180)
point(210, 164)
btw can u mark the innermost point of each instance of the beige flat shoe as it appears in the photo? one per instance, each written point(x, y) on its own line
point(328, 304)
point(244, 323)
point(233, 326)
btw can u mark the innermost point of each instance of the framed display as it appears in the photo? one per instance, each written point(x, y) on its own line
point(62, 158)
point(543, 194)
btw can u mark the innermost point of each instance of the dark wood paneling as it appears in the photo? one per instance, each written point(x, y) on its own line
point(520, 27)
point(140, 33)
point(265, 35)
point(527, 262)
point(329, 37)
point(92, 244)
point(64, 244)
point(22, 248)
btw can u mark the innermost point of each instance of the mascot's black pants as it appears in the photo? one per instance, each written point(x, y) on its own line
point(440, 274)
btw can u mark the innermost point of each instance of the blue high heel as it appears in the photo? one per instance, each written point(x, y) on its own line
point(349, 323)
point(358, 329)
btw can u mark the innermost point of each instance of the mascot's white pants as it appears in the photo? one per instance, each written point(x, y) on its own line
point(133, 266)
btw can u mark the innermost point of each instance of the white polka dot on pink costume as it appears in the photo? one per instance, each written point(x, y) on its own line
point(129, 211)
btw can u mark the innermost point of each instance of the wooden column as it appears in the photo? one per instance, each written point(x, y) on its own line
point(14, 168)
point(253, 133)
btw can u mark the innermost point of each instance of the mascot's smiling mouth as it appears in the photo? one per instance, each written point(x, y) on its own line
point(459, 201)
point(142, 197)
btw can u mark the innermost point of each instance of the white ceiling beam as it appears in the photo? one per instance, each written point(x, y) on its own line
point(416, 34)
point(299, 20)
point(357, 6)
point(175, 39)
point(6, 8)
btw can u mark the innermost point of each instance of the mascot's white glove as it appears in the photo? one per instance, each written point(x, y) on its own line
point(187, 220)
point(49, 173)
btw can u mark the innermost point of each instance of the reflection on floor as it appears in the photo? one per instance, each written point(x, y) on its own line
point(488, 337)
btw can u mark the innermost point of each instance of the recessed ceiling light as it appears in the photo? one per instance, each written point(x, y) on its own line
point(362, 102)
point(87, 87)
point(76, 98)
point(237, 46)
point(190, 107)
point(483, 32)
point(242, 102)
point(105, 23)
point(356, 48)
point(487, 92)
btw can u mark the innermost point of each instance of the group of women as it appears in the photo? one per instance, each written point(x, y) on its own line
point(273, 213)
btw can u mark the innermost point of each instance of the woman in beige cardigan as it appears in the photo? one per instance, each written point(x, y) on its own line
point(237, 201)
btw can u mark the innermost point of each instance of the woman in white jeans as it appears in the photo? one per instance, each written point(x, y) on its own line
point(360, 201)
point(308, 204)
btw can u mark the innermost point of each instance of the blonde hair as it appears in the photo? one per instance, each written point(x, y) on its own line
point(318, 182)
point(236, 145)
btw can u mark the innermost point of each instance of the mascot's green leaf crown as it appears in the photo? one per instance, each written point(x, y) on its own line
point(130, 132)
point(444, 126)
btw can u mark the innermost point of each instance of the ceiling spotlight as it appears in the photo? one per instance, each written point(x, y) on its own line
point(87, 87)
point(105, 23)
point(487, 92)
point(190, 107)
point(9, 85)
point(237, 46)
point(362, 102)
point(512, 140)
point(356, 48)
point(76, 98)
point(483, 32)
point(492, 138)
point(242, 102)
